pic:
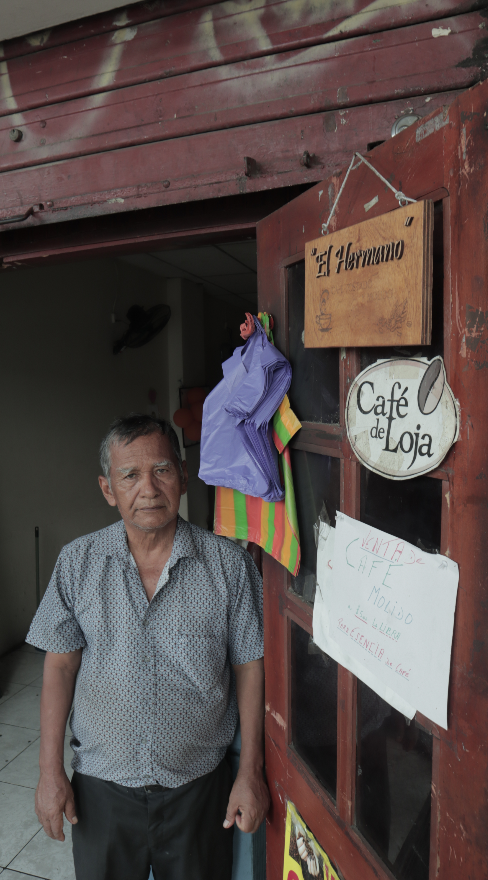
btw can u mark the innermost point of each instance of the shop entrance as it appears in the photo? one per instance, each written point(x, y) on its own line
point(384, 798)
point(62, 386)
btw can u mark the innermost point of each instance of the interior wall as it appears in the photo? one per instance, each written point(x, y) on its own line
point(186, 369)
point(60, 387)
point(222, 323)
point(204, 332)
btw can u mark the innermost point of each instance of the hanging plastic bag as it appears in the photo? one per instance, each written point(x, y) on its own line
point(237, 449)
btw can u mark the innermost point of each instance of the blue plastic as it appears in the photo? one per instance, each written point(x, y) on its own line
point(237, 449)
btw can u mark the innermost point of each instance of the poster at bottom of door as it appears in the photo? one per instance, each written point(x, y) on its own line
point(304, 859)
point(384, 609)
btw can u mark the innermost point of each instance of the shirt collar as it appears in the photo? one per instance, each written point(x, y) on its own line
point(183, 544)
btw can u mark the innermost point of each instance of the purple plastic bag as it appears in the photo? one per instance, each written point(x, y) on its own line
point(237, 449)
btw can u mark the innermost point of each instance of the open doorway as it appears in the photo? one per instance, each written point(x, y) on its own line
point(61, 386)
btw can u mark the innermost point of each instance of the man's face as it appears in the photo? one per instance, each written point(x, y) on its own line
point(146, 484)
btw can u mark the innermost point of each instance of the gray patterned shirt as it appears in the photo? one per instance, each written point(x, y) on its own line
point(155, 698)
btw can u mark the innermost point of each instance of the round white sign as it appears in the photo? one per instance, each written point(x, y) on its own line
point(402, 417)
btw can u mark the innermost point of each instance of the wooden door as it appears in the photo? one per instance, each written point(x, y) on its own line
point(383, 798)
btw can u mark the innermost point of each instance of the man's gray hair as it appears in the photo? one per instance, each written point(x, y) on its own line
point(129, 428)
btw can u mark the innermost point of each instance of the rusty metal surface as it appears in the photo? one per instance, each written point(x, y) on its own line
point(202, 166)
point(446, 152)
point(226, 103)
point(403, 62)
point(123, 48)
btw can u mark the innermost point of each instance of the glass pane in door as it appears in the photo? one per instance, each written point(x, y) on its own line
point(314, 391)
point(314, 707)
point(317, 482)
point(408, 509)
point(393, 789)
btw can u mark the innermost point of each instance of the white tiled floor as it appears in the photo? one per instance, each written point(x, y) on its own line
point(26, 853)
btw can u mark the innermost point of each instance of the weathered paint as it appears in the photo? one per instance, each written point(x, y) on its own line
point(7, 98)
point(277, 717)
point(38, 39)
point(432, 125)
point(239, 94)
point(223, 33)
point(80, 187)
point(441, 32)
point(476, 333)
point(142, 91)
point(124, 35)
point(451, 162)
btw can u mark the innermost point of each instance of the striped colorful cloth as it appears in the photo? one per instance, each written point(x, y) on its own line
point(273, 526)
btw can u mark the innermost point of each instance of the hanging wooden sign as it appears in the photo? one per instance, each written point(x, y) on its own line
point(402, 417)
point(371, 284)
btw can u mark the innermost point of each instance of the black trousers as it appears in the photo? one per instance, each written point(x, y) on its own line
point(122, 832)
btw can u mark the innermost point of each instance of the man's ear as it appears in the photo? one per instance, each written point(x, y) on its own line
point(184, 482)
point(107, 492)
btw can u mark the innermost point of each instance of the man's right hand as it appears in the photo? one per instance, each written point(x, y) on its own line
point(54, 797)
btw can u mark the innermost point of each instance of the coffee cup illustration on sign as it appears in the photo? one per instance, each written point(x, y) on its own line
point(402, 417)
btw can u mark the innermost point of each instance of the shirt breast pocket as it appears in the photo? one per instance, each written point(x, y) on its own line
point(203, 659)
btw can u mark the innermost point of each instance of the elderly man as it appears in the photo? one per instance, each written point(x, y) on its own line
point(142, 622)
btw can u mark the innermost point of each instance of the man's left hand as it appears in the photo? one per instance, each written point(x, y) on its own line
point(248, 803)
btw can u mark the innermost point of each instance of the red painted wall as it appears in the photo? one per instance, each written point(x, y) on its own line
point(154, 106)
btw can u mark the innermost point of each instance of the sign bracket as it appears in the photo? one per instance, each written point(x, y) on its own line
point(402, 198)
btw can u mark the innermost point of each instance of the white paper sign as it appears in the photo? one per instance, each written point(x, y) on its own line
point(385, 610)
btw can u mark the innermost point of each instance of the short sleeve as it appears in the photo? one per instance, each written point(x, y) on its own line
point(55, 627)
point(246, 615)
